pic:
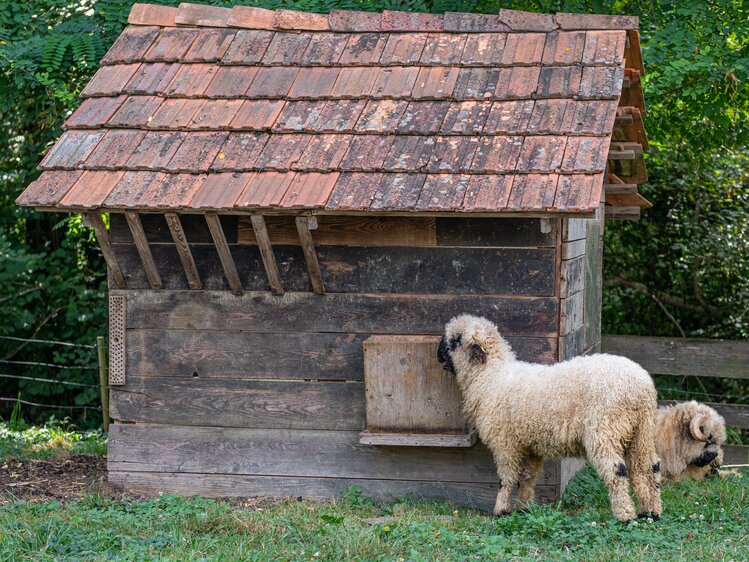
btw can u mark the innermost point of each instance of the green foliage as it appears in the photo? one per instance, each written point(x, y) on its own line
point(52, 439)
point(682, 269)
point(701, 521)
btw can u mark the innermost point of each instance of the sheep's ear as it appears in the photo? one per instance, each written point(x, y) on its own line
point(478, 354)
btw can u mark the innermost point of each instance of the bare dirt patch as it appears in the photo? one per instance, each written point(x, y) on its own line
point(64, 478)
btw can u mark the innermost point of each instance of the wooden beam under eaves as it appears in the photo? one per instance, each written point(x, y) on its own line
point(224, 254)
point(144, 250)
point(107, 251)
point(266, 251)
point(183, 250)
point(310, 256)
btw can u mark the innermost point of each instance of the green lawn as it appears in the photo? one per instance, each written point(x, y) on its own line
point(705, 521)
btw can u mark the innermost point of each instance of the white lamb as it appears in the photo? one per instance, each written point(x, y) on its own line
point(601, 407)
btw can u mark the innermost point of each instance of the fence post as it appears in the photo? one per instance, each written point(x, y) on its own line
point(103, 381)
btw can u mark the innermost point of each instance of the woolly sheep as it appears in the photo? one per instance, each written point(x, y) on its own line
point(688, 438)
point(599, 406)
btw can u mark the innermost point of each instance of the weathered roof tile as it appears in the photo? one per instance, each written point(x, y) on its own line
point(363, 49)
point(152, 78)
point(354, 83)
point(443, 48)
point(442, 192)
point(435, 83)
point(272, 82)
point(517, 20)
point(553, 116)
point(132, 189)
point(476, 83)
point(248, 47)
point(135, 111)
point(150, 14)
point(325, 50)
point(250, 17)
point(559, 81)
point(114, 149)
point(202, 15)
point(453, 154)
point(291, 19)
point(394, 82)
point(598, 82)
point(484, 48)
point(354, 191)
point(508, 117)
point(257, 114)
point(398, 191)
point(524, 48)
point(72, 149)
point(339, 116)
point(197, 152)
point(110, 80)
point(174, 192)
point(215, 114)
point(604, 47)
point(474, 23)
point(171, 45)
point(94, 112)
point(409, 153)
point(240, 151)
point(220, 191)
point(487, 192)
point(467, 117)
point(192, 80)
point(403, 48)
point(175, 113)
point(231, 82)
point(299, 115)
point(519, 82)
point(345, 20)
point(533, 192)
point(497, 154)
point(265, 189)
point(281, 152)
point(411, 21)
point(309, 191)
point(49, 188)
point(210, 45)
point(91, 189)
point(541, 154)
point(594, 117)
point(131, 45)
point(564, 47)
point(423, 117)
point(585, 154)
point(578, 192)
point(323, 153)
point(155, 150)
point(596, 21)
point(286, 48)
point(366, 152)
point(313, 83)
point(381, 115)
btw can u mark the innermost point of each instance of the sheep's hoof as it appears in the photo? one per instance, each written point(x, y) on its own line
point(503, 513)
point(649, 515)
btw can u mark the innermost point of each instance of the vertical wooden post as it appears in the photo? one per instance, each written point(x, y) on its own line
point(106, 248)
point(103, 381)
point(266, 252)
point(308, 247)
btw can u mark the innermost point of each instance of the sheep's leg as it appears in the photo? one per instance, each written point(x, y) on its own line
point(644, 469)
point(531, 470)
point(608, 460)
point(509, 469)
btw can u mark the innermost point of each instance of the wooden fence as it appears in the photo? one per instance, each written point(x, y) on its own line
point(693, 357)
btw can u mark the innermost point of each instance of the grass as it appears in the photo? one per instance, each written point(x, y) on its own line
point(54, 439)
point(703, 521)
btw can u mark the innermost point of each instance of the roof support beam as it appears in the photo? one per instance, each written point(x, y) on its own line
point(106, 248)
point(266, 251)
point(310, 256)
point(183, 250)
point(224, 254)
point(144, 250)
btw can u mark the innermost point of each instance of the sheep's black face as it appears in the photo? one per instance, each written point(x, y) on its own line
point(443, 356)
point(705, 458)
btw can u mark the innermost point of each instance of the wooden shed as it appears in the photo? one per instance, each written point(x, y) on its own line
point(298, 203)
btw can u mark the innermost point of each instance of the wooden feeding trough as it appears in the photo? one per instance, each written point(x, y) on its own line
point(297, 205)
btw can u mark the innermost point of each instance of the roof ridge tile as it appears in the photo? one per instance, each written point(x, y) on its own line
point(307, 21)
point(202, 15)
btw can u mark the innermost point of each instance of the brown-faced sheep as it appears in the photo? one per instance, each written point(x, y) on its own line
point(688, 438)
point(601, 407)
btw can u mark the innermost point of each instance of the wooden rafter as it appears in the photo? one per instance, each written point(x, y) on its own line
point(94, 218)
point(266, 251)
point(224, 254)
point(183, 250)
point(144, 250)
point(310, 256)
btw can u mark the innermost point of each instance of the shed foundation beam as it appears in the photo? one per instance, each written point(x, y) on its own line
point(144, 250)
point(106, 248)
point(224, 254)
point(183, 250)
point(266, 251)
point(310, 256)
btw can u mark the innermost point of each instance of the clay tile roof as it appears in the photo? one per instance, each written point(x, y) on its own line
point(230, 109)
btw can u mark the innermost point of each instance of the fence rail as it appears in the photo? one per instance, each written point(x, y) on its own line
point(693, 357)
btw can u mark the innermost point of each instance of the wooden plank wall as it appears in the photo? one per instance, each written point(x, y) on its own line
point(263, 394)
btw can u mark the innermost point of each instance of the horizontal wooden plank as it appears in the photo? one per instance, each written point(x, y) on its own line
point(344, 269)
point(418, 439)
point(736, 415)
point(683, 356)
point(195, 401)
point(224, 354)
point(735, 454)
point(297, 453)
point(157, 229)
point(572, 276)
point(335, 312)
point(350, 231)
point(478, 495)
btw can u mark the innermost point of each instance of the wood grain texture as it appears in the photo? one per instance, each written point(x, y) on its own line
point(593, 283)
point(144, 251)
point(572, 344)
point(157, 229)
point(571, 313)
point(406, 388)
point(183, 251)
point(468, 494)
point(683, 357)
point(338, 313)
point(736, 415)
point(298, 453)
point(310, 256)
point(735, 454)
point(240, 403)
point(233, 354)
point(498, 271)
point(106, 249)
point(573, 229)
point(572, 276)
point(418, 439)
point(266, 252)
point(227, 262)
